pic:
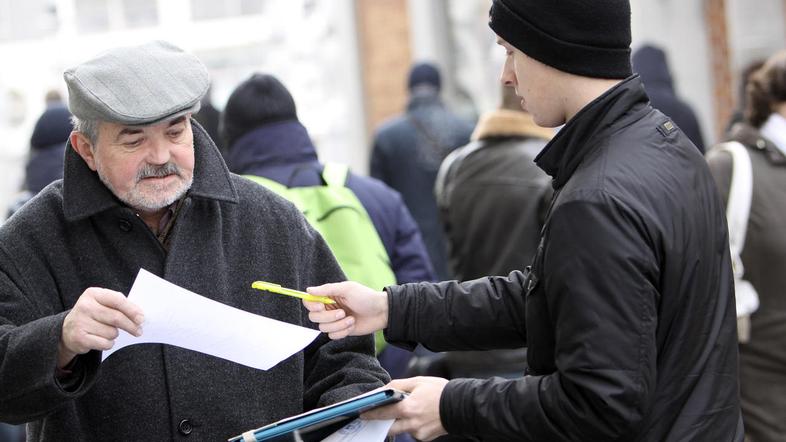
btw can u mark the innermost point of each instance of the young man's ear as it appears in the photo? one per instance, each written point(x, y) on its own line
point(84, 148)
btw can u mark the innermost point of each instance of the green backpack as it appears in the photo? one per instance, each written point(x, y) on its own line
point(337, 214)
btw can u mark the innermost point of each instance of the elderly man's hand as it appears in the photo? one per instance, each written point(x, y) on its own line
point(94, 321)
point(418, 414)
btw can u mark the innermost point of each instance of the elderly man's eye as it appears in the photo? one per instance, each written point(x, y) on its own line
point(133, 143)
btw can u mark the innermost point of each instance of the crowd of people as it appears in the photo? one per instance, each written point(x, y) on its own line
point(569, 267)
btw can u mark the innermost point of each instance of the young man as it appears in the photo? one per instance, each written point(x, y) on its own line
point(145, 188)
point(628, 308)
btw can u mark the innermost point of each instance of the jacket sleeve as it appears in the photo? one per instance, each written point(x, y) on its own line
point(378, 167)
point(600, 275)
point(334, 370)
point(409, 260)
point(29, 340)
point(483, 314)
point(720, 164)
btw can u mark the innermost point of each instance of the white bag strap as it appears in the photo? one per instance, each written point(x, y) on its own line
point(738, 207)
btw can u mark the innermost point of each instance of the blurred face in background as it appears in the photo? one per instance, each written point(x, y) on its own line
point(146, 167)
point(537, 84)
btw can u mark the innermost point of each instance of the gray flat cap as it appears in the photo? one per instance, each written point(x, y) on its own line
point(137, 85)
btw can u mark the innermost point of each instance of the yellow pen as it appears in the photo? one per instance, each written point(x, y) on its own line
point(275, 288)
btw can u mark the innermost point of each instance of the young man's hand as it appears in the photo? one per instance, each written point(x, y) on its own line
point(94, 321)
point(418, 413)
point(358, 311)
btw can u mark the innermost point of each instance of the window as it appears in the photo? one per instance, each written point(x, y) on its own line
point(27, 19)
point(105, 15)
point(213, 9)
point(92, 15)
point(140, 13)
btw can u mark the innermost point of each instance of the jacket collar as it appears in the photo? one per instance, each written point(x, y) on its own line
point(750, 136)
point(617, 107)
point(424, 99)
point(509, 123)
point(85, 195)
point(271, 145)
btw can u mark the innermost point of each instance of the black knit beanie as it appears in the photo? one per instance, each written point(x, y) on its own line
point(590, 38)
point(260, 100)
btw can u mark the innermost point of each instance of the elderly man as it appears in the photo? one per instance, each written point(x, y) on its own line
point(144, 187)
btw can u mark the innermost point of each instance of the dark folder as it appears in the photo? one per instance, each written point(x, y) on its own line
point(315, 425)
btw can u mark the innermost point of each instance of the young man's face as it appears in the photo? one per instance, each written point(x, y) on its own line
point(146, 167)
point(535, 83)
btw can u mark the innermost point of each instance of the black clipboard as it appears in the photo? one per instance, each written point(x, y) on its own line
point(315, 425)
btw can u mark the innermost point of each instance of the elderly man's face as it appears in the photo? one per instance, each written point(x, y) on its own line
point(146, 167)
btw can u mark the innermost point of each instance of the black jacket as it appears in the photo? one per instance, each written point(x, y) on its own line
point(628, 313)
point(490, 195)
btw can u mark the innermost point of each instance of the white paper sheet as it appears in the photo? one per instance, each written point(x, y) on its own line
point(176, 316)
point(361, 430)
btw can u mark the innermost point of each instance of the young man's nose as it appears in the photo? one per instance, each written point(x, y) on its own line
point(508, 76)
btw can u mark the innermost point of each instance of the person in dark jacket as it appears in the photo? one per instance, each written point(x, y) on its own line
point(492, 200)
point(763, 356)
point(265, 138)
point(478, 182)
point(408, 150)
point(653, 68)
point(47, 150)
point(627, 311)
point(208, 117)
point(145, 187)
point(738, 116)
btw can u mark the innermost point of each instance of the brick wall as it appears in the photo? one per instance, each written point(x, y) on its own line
point(385, 56)
point(722, 85)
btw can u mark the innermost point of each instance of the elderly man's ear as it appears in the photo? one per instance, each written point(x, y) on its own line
point(84, 148)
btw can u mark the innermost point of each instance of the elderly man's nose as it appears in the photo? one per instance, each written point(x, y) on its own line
point(159, 152)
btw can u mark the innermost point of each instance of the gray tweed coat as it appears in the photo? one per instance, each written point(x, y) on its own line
point(229, 232)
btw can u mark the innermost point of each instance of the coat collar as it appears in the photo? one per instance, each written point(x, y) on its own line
point(424, 99)
point(270, 146)
point(509, 123)
point(750, 136)
point(617, 107)
point(85, 195)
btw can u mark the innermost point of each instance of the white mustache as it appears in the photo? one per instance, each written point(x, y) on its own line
point(155, 171)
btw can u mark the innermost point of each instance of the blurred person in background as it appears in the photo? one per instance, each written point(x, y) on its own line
point(208, 116)
point(408, 150)
point(763, 356)
point(492, 199)
point(265, 138)
point(738, 116)
point(47, 150)
point(651, 64)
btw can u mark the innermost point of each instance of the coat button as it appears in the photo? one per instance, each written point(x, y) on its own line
point(124, 225)
point(184, 427)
